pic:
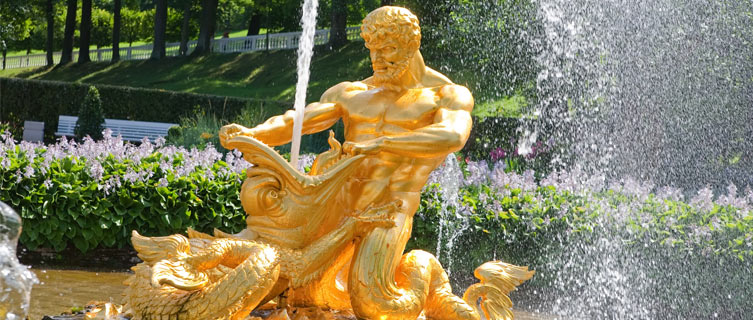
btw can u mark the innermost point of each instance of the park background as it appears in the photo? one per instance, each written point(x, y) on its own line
point(80, 198)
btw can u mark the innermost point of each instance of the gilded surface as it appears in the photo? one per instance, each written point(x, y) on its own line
point(334, 238)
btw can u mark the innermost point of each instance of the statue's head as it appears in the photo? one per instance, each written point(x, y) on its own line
point(393, 37)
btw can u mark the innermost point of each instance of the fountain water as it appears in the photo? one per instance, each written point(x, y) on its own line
point(305, 51)
point(15, 279)
point(640, 94)
point(656, 90)
point(451, 221)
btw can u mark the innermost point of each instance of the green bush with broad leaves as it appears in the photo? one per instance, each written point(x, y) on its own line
point(93, 195)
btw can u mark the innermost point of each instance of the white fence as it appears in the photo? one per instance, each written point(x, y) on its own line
point(276, 41)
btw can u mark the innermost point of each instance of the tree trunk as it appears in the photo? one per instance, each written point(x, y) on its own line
point(160, 25)
point(50, 31)
point(5, 51)
point(387, 2)
point(254, 25)
point(184, 29)
point(337, 34)
point(116, 31)
point(70, 27)
point(207, 24)
point(85, 31)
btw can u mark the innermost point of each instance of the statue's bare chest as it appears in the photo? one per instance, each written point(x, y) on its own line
point(410, 109)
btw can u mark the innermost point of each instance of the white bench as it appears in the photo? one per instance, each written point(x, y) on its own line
point(33, 131)
point(127, 129)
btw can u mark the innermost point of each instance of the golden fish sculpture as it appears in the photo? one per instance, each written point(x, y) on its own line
point(334, 238)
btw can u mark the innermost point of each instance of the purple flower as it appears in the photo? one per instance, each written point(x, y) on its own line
point(29, 172)
point(478, 173)
point(497, 154)
point(704, 200)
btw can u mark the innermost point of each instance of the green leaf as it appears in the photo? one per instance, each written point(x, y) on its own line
point(81, 244)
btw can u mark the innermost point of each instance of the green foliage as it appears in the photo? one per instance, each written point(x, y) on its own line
point(15, 21)
point(90, 117)
point(198, 130)
point(262, 75)
point(562, 234)
point(175, 25)
point(455, 38)
point(66, 207)
point(497, 138)
point(31, 100)
point(101, 33)
point(130, 29)
point(146, 25)
point(234, 14)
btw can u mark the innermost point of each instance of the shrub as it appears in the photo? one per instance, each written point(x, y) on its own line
point(198, 130)
point(202, 128)
point(90, 116)
point(93, 194)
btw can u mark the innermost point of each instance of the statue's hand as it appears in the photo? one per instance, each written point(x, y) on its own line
point(376, 217)
point(372, 146)
point(231, 131)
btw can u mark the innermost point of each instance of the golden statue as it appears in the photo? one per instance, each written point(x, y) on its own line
point(334, 238)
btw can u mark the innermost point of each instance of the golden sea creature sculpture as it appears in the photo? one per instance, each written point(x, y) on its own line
point(334, 238)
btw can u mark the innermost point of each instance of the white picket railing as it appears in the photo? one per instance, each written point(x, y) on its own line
point(275, 41)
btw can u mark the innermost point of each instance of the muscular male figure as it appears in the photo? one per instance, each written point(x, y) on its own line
point(406, 118)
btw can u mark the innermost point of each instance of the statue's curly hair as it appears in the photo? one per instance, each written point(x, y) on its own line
point(392, 22)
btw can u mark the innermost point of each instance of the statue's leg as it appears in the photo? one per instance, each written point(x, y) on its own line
point(385, 284)
point(420, 269)
point(373, 290)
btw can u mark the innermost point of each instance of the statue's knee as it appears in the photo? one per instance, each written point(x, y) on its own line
point(416, 259)
point(418, 255)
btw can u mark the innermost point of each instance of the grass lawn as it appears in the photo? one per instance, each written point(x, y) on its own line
point(262, 75)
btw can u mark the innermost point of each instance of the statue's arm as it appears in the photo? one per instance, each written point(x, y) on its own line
point(449, 132)
point(278, 130)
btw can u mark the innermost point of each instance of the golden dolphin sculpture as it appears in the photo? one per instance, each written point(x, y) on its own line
point(227, 276)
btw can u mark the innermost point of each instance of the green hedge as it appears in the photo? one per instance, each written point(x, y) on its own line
point(39, 100)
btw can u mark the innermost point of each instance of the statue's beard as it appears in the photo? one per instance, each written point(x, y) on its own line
point(392, 74)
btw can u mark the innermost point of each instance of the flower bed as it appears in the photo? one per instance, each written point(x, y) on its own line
point(93, 194)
